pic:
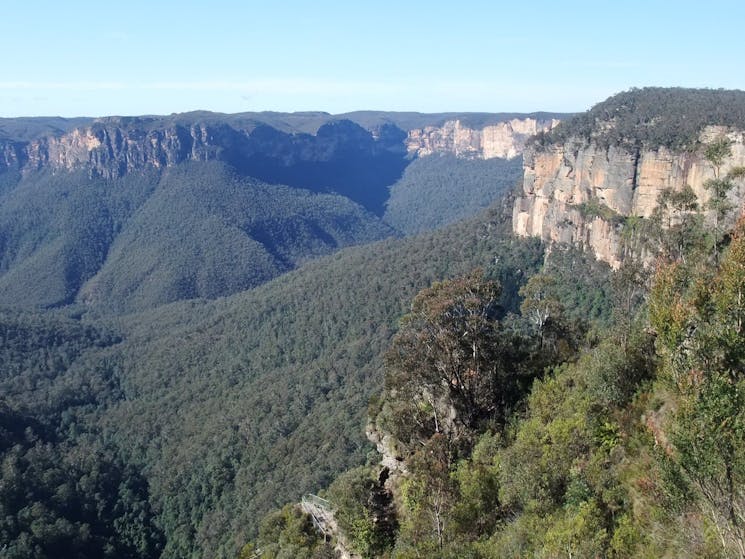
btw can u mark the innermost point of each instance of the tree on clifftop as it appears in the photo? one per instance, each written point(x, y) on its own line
point(453, 364)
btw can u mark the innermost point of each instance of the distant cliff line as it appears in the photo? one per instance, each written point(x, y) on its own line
point(115, 146)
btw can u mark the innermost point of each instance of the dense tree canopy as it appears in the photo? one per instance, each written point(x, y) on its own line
point(453, 358)
point(229, 408)
point(438, 190)
point(632, 447)
point(541, 406)
point(652, 117)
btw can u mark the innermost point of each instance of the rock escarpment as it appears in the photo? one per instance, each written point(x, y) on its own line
point(561, 179)
point(114, 147)
point(505, 140)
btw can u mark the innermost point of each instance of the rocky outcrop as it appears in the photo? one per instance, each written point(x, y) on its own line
point(561, 180)
point(12, 155)
point(385, 444)
point(505, 139)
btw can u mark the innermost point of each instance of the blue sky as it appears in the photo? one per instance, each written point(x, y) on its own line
point(157, 57)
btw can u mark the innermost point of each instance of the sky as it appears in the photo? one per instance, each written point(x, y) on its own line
point(132, 57)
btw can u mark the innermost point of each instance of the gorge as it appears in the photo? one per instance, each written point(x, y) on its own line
point(200, 315)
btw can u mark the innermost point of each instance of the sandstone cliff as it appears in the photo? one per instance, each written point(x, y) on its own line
point(562, 177)
point(113, 147)
point(505, 139)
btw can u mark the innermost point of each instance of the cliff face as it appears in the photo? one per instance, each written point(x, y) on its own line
point(12, 155)
point(114, 147)
point(560, 179)
point(505, 139)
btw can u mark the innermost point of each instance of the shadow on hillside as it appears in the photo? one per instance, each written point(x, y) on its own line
point(342, 158)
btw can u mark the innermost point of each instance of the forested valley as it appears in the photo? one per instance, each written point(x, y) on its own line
point(176, 358)
point(231, 407)
point(187, 351)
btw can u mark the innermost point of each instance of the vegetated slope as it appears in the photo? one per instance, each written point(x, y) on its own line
point(437, 190)
point(633, 447)
point(125, 213)
point(220, 410)
point(631, 444)
point(457, 376)
point(55, 232)
point(63, 490)
point(196, 230)
point(205, 232)
point(237, 405)
point(652, 117)
point(29, 128)
point(38, 349)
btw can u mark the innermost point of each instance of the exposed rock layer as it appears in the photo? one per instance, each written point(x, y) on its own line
point(560, 179)
point(505, 139)
point(113, 147)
